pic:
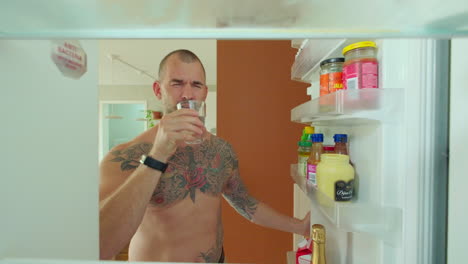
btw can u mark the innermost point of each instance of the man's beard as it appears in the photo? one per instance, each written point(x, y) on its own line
point(169, 109)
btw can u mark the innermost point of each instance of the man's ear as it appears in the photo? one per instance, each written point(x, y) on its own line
point(157, 89)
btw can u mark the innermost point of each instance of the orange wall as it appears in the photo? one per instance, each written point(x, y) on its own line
point(255, 95)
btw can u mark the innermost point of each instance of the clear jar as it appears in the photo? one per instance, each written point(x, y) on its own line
point(360, 69)
point(335, 177)
point(331, 78)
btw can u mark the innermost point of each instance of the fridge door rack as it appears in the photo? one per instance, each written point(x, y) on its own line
point(352, 107)
point(381, 222)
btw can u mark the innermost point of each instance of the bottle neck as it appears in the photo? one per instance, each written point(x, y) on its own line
point(318, 255)
point(317, 145)
point(341, 148)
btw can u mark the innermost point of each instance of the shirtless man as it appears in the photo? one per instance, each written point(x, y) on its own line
point(175, 216)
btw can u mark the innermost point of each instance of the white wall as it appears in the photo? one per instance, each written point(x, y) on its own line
point(48, 155)
point(458, 165)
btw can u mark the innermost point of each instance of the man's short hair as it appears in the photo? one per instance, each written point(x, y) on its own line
point(184, 55)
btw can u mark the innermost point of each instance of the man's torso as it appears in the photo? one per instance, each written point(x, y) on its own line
point(182, 221)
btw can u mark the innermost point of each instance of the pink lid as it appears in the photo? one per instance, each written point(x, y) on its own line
point(329, 148)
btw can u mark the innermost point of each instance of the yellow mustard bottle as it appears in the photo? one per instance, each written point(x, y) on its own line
point(335, 177)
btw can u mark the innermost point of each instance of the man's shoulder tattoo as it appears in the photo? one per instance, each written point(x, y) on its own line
point(129, 157)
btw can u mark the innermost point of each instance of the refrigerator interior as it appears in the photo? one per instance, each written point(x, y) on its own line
point(397, 138)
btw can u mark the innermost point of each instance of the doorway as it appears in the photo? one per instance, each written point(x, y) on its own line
point(120, 122)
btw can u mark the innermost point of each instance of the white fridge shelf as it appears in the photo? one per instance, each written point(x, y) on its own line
point(306, 66)
point(381, 222)
point(311, 53)
point(348, 107)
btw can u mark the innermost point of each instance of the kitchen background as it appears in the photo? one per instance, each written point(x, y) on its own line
point(246, 106)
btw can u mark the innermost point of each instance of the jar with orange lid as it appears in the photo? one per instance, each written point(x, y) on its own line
point(360, 69)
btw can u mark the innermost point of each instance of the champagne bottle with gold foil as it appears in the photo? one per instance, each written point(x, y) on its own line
point(318, 237)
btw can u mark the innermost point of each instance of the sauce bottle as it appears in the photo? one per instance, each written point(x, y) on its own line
point(314, 158)
point(340, 144)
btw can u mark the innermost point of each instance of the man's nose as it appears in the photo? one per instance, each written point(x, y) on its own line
point(187, 93)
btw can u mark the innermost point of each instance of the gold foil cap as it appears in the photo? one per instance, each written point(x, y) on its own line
point(318, 233)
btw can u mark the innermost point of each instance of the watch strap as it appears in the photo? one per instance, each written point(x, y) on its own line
point(153, 163)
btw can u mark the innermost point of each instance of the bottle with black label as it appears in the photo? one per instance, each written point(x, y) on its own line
point(335, 177)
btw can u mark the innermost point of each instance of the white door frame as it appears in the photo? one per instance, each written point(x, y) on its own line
point(101, 118)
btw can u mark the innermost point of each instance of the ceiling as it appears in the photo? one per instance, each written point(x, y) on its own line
point(146, 55)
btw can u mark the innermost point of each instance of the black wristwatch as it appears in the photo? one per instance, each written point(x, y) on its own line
point(153, 163)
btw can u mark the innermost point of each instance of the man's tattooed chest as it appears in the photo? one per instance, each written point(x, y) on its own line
point(189, 171)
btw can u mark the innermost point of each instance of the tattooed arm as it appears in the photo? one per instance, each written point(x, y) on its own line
point(257, 212)
point(125, 190)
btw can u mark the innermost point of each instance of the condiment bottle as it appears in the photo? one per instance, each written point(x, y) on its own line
point(335, 177)
point(314, 158)
point(340, 144)
point(331, 78)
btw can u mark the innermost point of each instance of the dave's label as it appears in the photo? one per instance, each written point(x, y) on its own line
point(344, 190)
point(312, 173)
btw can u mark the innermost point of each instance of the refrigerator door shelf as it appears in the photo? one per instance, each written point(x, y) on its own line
point(297, 44)
point(383, 223)
point(306, 67)
point(310, 54)
point(352, 107)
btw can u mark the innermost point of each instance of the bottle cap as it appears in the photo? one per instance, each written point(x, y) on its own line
point(316, 137)
point(306, 132)
point(362, 44)
point(340, 138)
point(332, 60)
point(309, 130)
point(318, 233)
point(304, 143)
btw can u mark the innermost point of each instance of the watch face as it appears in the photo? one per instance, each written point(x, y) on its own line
point(142, 159)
